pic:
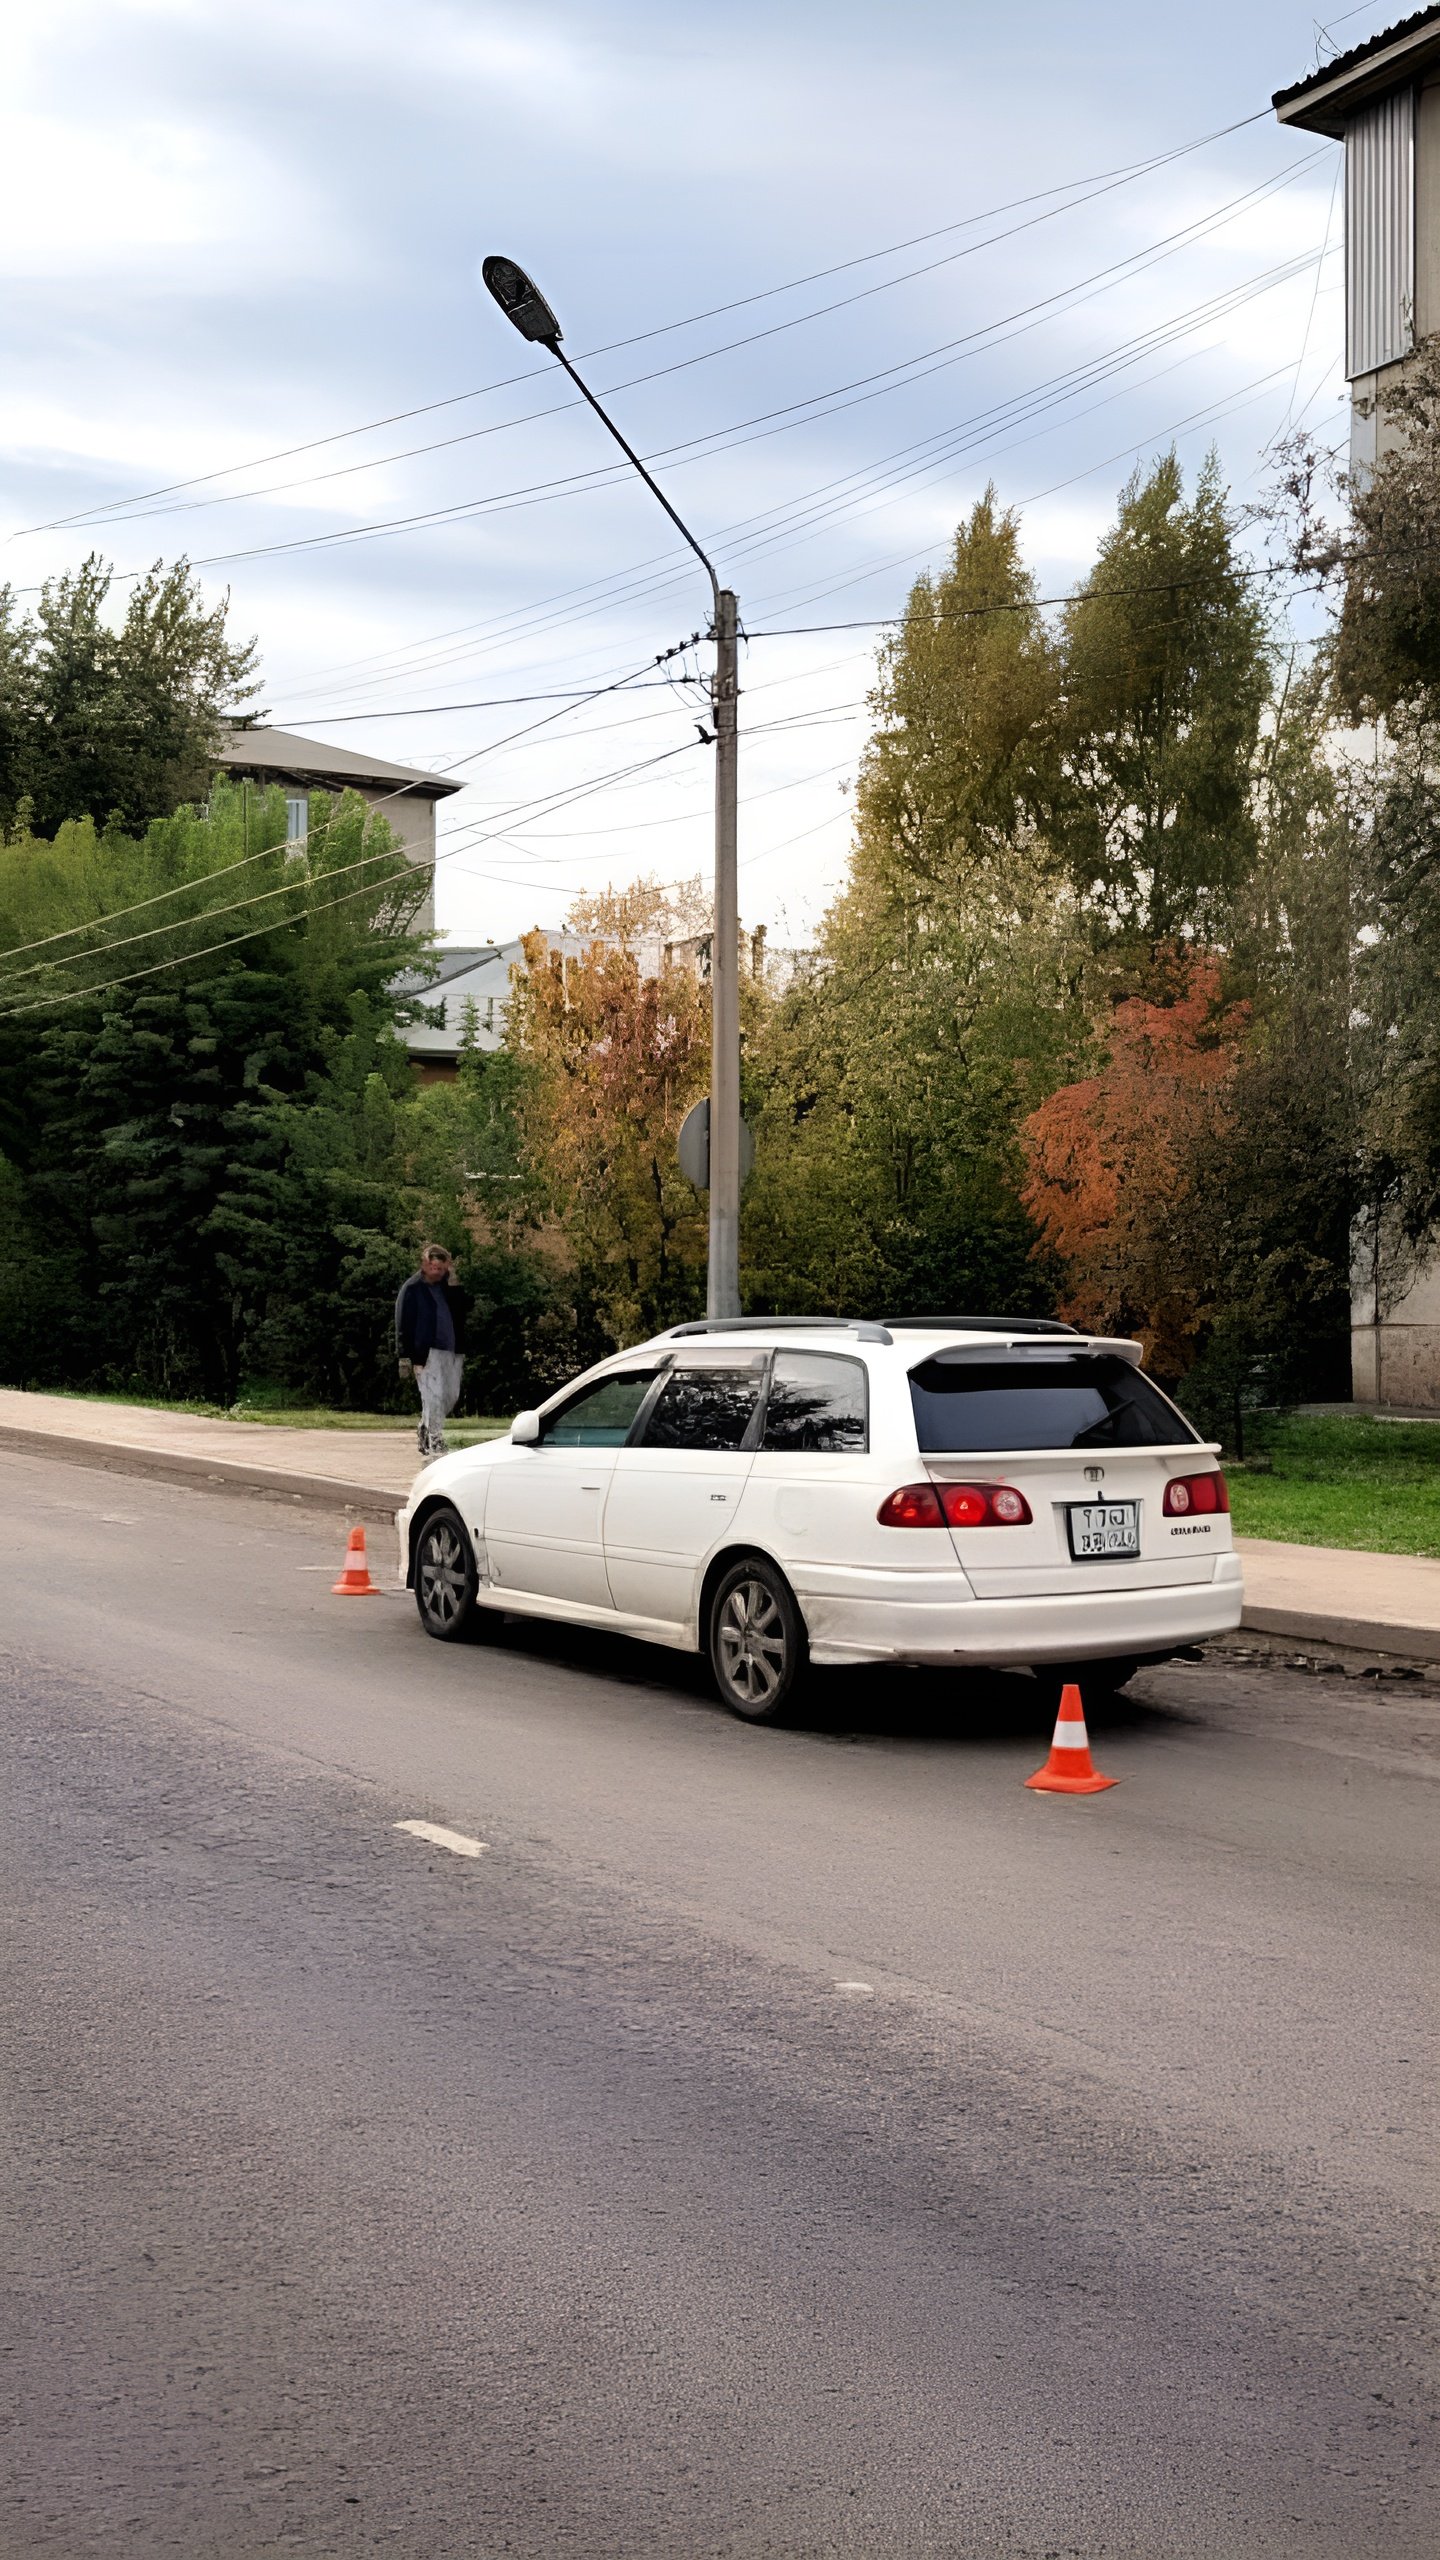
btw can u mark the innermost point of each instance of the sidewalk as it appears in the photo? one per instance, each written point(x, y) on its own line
point(1333, 1595)
point(369, 1471)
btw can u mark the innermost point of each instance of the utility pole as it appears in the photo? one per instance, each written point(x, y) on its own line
point(722, 1290)
point(528, 311)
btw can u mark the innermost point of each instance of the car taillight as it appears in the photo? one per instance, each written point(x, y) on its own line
point(915, 1506)
point(1185, 1495)
point(960, 1506)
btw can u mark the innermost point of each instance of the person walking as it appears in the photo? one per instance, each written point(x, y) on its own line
point(430, 1315)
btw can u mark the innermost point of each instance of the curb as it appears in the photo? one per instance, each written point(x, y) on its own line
point(331, 1493)
point(1364, 1635)
point(378, 1503)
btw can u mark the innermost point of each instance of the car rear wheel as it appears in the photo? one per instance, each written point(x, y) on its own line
point(445, 1577)
point(756, 1640)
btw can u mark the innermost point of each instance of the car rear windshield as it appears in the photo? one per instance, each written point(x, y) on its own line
point(1068, 1402)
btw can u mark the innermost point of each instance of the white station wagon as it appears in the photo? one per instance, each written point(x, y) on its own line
point(780, 1491)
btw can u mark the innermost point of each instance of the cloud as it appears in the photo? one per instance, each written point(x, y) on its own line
point(231, 233)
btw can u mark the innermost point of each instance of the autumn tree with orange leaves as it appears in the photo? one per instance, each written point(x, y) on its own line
point(617, 1054)
point(1117, 1165)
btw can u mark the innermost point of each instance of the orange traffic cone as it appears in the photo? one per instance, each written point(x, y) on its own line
point(355, 1582)
point(1069, 1771)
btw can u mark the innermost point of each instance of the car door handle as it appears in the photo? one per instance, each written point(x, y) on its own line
point(589, 1488)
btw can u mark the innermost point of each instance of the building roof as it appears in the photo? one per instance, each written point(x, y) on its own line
point(1325, 99)
point(281, 753)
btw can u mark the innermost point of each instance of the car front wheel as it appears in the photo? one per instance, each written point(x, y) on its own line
point(756, 1640)
point(445, 1578)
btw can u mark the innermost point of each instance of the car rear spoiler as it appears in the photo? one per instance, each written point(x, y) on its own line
point(1078, 1346)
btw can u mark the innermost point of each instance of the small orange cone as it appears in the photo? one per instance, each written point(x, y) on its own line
point(1069, 1770)
point(355, 1582)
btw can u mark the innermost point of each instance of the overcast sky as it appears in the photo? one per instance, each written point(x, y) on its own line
point(234, 232)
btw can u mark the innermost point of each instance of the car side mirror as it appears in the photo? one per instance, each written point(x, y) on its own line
point(525, 1430)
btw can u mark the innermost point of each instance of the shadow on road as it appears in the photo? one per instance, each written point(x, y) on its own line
point(873, 1704)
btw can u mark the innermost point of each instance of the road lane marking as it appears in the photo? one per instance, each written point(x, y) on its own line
point(435, 1832)
point(857, 1990)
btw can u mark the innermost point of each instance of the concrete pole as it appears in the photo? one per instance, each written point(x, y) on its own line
point(723, 1280)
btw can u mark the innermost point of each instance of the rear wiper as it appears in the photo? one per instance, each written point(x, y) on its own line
point(1096, 1434)
point(1107, 1426)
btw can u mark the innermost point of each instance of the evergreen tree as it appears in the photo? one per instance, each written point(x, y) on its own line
point(138, 1114)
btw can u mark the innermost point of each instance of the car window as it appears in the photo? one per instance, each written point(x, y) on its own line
point(815, 1402)
point(705, 1408)
point(600, 1416)
point(963, 1405)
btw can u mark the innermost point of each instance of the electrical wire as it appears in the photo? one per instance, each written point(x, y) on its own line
point(1070, 187)
point(225, 869)
point(288, 888)
point(878, 383)
point(631, 586)
point(948, 441)
point(377, 462)
point(180, 959)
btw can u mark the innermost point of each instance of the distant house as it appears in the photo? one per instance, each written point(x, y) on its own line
point(406, 796)
point(1381, 102)
point(466, 996)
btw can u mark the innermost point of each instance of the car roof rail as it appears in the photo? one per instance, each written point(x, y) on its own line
point(861, 1326)
point(982, 1324)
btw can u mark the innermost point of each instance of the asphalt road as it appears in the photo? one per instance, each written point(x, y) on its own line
point(575, 2199)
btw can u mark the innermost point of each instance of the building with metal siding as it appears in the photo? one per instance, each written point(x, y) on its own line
point(1380, 234)
point(1381, 101)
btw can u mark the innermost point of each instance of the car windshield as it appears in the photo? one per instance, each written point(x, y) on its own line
point(1073, 1401)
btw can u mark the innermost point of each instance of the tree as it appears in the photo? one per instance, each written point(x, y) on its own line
point(960, 768)
point(1117, 1161)
point(893, 1074)
point(142, 1114)
point(98, 720)
point(614, 1059)
point(1388, 650)
point(1167, 674)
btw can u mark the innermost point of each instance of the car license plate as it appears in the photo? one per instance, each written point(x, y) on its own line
point(1104, 1529)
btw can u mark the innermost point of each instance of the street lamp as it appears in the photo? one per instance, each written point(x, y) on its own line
point(526, 308)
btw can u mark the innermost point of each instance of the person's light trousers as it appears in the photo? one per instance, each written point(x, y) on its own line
point(439, 1385)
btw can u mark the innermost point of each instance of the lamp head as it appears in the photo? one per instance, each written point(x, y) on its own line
point(523, 304)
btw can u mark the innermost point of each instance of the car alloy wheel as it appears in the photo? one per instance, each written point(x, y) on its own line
point(445, 1577)
point(757, 1641)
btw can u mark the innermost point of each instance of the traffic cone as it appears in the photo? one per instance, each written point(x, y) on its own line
point(1069, 1770)
point(355, 1582)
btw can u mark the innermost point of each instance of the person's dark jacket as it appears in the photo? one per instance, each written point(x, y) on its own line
point(415, 1318)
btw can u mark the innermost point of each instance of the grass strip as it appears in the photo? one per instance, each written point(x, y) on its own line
point(1340, 1480)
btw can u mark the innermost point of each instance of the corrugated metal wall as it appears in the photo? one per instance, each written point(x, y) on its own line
point(1380, 233)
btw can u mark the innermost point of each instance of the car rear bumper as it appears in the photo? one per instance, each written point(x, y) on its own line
point(1072, 1626)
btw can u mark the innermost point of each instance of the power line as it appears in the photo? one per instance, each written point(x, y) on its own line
point(180, 959)
point(1100, 182)
point(779, 521)
point(630, 585)
point(226, 869)
point(558, 799)
point(1027, 604)
point(949, 351)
